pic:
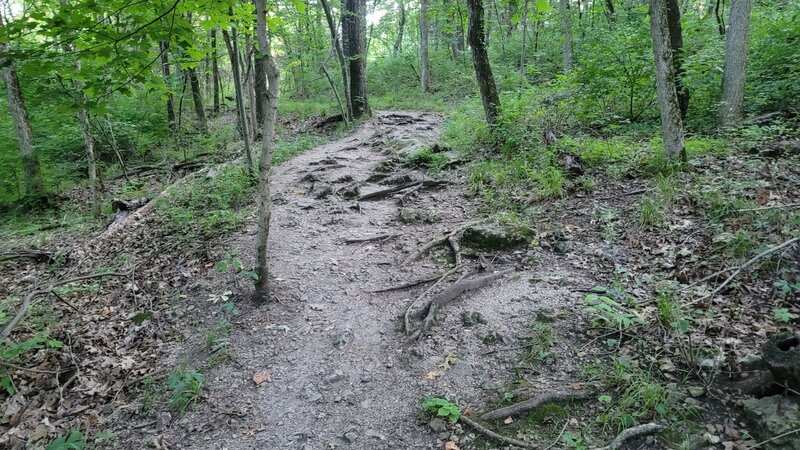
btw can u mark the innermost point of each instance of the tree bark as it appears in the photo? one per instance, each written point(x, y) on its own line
point(336, 43)
point(671, 123)
point(731, 109)
point(270, 101)
point(250, 84)
point(676, 42)
point(233, 51)
point(165, 71)
point(215, 70)
point(197, 99)
point(22, 126)
point(480, 60)
point(354, 31)
point(524, 19)
point(424, 63)
point(401, 26)
point(566, 33)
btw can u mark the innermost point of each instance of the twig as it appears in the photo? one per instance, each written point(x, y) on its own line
point(23, 309)
point(434, 242)
point(774, 438)
point(764, 208)
point(533, 403)
point(630, 433)
point(491, 434)
point(559, 436)
point(747, 264)
point(380, 237)
point(31, 369)
point(624, 194)
point(456, 249)
point(508, 349)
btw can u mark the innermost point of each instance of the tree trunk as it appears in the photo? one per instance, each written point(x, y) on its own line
point(233, 51)
point(250, 84)
point(260, 85)
point(354, 30)
point(270, 100)
point(197, 98)
point(731, 109)
point(609, 9)
point(168, 80)
point(22, 127)
point(401, 26)
point(566, 32)
point(671, 124)
point(215, 71)
point(676, 43)
point(424, 63)
point(524, 19)
point(480, 60)
point(336, 43)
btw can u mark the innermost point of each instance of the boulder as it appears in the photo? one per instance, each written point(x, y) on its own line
point(491, 237)
point(772, 416)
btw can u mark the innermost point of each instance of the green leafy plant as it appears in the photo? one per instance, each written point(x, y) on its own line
point(441, 407)
point(186, 386)
point(783, 315)
point(75, 440)
point(608, 313)
point(574, 442)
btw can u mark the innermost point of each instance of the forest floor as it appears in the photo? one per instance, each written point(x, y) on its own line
point(601, 300)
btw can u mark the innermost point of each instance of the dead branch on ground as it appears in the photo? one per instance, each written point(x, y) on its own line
point(533, 403)
point(630, 433)
point(491, 434)
point(383, 193)
point(380, 237)
point(440, 240)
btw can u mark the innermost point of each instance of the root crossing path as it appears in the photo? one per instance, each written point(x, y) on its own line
point(329, 351)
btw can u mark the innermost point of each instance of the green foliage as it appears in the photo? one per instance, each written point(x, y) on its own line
point(441, 407)
point(186, 386)
point(608, 313)
point(75, 440)
point(783, 315)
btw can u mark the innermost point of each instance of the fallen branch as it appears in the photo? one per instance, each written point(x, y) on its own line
point(448, 295)
point(380, 237)
point(747, 264)
point(630, 433)
point(440, 240)
point(456, 249)
point(533, 403)
point(377, 195)
point(37, 255)
point(26, 303)
point(406, 320)
point(558, 438)
point(765, 208)
point(797, 430)
point(491, 434)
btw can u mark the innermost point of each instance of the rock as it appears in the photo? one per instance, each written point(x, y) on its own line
point(696, 391)
point(469, 318)
point(772, 416)
point(397, 179)
point(349, 191)
point(350, 433)
point(407, 215)
point(546, 315)
point(438, 425)
point(751, 362)
point(336, 376)
point(305, 203)
point(321, 190)
point(375, 434)
point(341, 335)
point(312, 394)
point(491, 237)
point(163, 421)
point(344, 179)
point(496, 337)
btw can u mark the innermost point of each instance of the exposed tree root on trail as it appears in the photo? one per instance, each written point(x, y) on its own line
point(440, 240)
point(533, 403)
point(380, 237)
point(491, 434)
point(448, 295)
point(406, 320)
point(415, 185)
point(630, 433)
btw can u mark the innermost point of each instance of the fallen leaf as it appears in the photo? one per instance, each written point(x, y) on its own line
point(432, 375)
point(575, 386)
point(450, 445)
point(508, 420)
point(262, 377)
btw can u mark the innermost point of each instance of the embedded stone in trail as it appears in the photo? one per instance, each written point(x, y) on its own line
point(773, 416)
point(341, 335)
point(491, 237)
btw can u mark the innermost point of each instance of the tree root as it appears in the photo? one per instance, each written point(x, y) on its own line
point(533, 403)
point(630, 433)
point(380, 237)
point(448, 295)
point(406, 320)
point(36, 255)
point(440, 240)
point(491, 434)
point(383, 193)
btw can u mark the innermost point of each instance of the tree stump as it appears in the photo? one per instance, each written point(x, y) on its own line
point(782, 357)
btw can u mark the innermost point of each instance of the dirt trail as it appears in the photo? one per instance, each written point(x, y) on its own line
point(341, 375)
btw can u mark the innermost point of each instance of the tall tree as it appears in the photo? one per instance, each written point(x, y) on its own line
point(336, 43)
point(731, 109)
point(165, 70)
point(197, 96)
point(233, 51)
point(671, 123)
point(424, 62)
point(566, 34)
point(676, 43)
point(215, 70)
point(401, 27)
point(354, 29)
point(22, 125)
point(270, 100)
point(524, 19)
point(480, 60)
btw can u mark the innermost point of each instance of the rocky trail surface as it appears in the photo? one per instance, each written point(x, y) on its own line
point(329, 356)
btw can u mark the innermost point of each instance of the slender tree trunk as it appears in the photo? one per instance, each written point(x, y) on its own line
point(270, 100)
point(233, 51)
point(424, 63)
point(480, 60)
point(88, 140)
point(566, 33)
point(215, 71)
point(524, 19)
point(609, 9)
point(22, 126)
point(676, 43)
point(250, 84)
point(401, 27)
point(354, 30)
point(260, 87)
point(168, 80)
point(731, 110)
point(197, 98)
point(720, 15)
point(671, 123)
point(336, 43)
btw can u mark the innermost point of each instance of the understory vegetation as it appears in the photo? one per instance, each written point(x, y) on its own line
point(136, 107)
